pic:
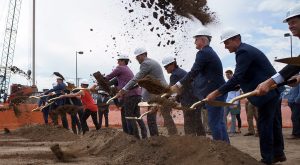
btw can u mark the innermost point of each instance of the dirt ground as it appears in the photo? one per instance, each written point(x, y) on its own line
point(31, 145)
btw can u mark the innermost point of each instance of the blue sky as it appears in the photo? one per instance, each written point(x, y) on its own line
point(63, 27)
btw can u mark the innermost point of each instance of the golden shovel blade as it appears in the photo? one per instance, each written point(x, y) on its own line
point(290, 60)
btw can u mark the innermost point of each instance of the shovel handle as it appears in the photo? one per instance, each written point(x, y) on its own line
point(111, 99)
point(254, 93)
point(197, 103)
point(246, 95)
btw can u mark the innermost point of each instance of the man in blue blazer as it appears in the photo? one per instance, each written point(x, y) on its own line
point(252, 68)
point(192, 119)
point(207, 74)
point(293, 20)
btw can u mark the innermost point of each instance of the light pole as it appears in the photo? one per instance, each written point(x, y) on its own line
point(289, 35)
point(76, 79)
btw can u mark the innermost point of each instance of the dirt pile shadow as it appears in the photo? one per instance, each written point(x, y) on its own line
point(120, 148)
point(45, 133)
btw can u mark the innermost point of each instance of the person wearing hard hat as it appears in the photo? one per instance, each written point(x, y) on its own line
point(103, 108)
point(58, 89)
point(192, 119)
point(90, 108)
point(293, 20)
point(252, 68)
point(130, 100)
point(152, 68)
point(207, 74)
point(75, 121)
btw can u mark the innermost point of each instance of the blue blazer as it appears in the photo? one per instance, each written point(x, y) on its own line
point(207, 73)
point(252, 68)
point(186, 98)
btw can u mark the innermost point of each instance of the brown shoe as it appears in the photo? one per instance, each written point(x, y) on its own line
point(249, 134)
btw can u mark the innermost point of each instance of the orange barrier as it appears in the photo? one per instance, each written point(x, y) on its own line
point(8, 119)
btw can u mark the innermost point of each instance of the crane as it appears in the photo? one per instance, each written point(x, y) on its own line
point(9, 45)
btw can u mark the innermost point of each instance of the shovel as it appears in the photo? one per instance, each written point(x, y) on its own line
point(290, 60)
point(142, 115)
point(254, 93)
point(41, 108)
point(212, 103)
point(111, 99)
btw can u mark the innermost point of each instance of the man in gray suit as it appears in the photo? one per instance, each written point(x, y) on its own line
point(152, 68)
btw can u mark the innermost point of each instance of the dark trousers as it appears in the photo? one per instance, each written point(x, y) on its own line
point(152, 124)
point(54, 115)
point(168, 120)
point(295, 108)
point(86, 114)
point(133, 110)
point(101, 113)
point(216, 121)
point(45, 114)
point(193, 123)
point(75, 124)
point(238, 118)
point(123, 119)
point(270, 130)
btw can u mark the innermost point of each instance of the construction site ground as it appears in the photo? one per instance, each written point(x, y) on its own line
point(110, 146)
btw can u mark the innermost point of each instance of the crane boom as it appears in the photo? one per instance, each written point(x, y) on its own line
point(9, 45)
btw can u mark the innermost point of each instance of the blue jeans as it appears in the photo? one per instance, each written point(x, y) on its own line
point(216, 121)
point(270, 130)
point(233, 119)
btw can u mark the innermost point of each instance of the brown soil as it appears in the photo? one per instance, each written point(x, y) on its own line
point(121, 148)
point(45, 133)
point(152, 85)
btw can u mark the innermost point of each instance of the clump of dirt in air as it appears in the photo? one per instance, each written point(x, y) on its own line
point(121, 148)
point(45, 133)
point(152, 85)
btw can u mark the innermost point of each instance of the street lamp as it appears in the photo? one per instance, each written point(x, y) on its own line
point(77, 52)
point(289, 35)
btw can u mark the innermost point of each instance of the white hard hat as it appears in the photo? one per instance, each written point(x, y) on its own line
point(122, 57)
point(203, 32)
point(54, 84)
point(168, 60)
point(228, 33)
point(139, 51)
point(292, 12)
point(85, 81)
point(70, 81)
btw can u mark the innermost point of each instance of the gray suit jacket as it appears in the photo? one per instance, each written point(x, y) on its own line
point(148, 67)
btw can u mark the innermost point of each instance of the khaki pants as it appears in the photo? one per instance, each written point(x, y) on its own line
point(251, 112)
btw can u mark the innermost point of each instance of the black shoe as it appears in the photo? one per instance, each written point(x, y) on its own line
point(265, 162)
point(249, 134)
point(281, 158)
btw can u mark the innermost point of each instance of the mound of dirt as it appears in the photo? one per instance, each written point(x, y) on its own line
point(120, 148)
point(45, 133)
